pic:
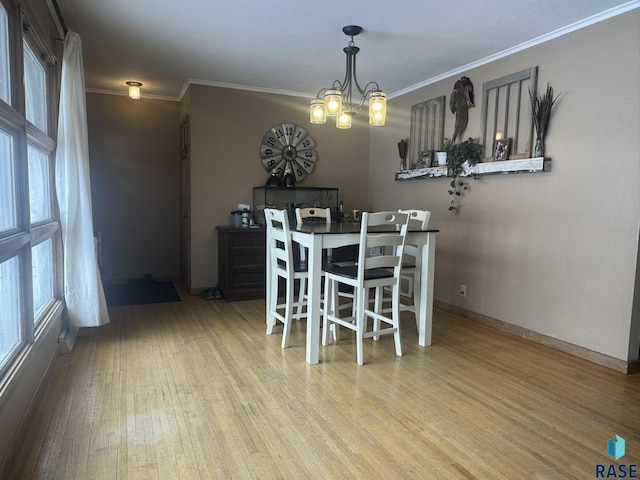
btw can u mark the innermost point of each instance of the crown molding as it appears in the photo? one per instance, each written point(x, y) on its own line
point(586, 22)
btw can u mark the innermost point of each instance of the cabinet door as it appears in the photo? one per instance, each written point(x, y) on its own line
point(241, 263)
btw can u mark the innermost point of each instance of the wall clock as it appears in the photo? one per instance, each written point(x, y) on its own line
point(286, 147)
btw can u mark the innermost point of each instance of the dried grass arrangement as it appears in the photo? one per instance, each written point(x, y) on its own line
point(541, 111)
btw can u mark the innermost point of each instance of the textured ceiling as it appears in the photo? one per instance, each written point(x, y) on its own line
point(295, 47)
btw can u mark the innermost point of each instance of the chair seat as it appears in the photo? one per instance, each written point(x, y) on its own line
point(351, 271)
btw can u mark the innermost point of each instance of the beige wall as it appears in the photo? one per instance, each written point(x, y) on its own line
point(555, 252)
point(135, 181)
point(227, 127)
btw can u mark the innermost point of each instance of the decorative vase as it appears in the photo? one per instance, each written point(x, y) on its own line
point(442, 158)
point(538, 150)
point(402, 151)
point(289, 179)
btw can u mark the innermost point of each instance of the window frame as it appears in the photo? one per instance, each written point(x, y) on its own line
point(20, 240)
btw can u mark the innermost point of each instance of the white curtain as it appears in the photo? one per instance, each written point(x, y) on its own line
point(84, 295)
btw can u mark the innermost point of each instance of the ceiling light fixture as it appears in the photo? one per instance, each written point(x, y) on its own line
point(134, 90)
point(338, 101)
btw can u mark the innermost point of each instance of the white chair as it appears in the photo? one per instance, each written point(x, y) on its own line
point(280, 251)
point(374, 272)
point(411, 259)
point(303, 214)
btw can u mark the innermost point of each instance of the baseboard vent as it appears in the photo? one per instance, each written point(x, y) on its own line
point(67, 339)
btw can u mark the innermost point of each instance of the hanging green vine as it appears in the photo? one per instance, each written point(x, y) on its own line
point(468, 152)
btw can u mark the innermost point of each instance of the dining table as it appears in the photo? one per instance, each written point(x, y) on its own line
point(319, 236)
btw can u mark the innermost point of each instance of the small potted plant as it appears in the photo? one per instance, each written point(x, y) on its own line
point(441, 153)
point(460, 156)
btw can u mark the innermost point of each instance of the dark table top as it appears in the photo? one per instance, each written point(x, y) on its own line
point(346, 227)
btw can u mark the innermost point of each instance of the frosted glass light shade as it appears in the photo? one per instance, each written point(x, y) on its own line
point(333, 102)
point(343, 120)
point(377, 109)
point(317, 111)
point(134, 90)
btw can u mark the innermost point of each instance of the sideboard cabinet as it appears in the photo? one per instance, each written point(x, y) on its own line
point(241, 263)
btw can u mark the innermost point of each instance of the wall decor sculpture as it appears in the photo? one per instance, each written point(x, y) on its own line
point(460, 101)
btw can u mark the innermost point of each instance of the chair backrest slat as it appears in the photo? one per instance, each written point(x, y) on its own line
point(313, 212)
point(279, 235)
point(417, 219)
point(392, 242)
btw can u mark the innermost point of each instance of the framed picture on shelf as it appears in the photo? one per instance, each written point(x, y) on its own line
point(424, 160)
point(501, 152)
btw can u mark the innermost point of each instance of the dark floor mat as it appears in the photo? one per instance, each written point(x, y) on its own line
point(140, 291)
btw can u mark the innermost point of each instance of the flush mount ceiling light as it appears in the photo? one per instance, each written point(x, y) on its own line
point(341, 99)
point(134, 90)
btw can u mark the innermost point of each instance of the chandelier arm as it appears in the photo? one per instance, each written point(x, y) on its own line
point(355, 78)
point(337, 85)
point(371, 87)
point(349, 81)
point(320, 94)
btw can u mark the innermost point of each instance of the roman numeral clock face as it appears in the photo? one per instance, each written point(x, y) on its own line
point(287, 146)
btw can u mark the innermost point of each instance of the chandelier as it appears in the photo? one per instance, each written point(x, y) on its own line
point(341, 100)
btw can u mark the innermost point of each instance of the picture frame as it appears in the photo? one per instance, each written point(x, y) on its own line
point(424, 161)
point(501, 150)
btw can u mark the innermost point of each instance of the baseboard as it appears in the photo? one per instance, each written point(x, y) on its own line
point(566, 347)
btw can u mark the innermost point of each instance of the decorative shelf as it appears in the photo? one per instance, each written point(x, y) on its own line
point(430, 172)
point(525, 165)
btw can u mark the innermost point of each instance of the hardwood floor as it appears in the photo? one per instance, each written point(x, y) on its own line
point(196, 390)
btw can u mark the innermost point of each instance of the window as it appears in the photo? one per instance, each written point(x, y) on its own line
point(42, 266)
point(506, 112)
point(5, 90)
point(39, 185)
point(8, 217)
point(427, 127)
point(30, 246)
point(10, 327)
point(35, 86)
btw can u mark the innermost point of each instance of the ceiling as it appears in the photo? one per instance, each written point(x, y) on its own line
point(295, 46)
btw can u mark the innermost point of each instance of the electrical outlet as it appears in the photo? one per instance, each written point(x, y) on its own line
point(463, 290)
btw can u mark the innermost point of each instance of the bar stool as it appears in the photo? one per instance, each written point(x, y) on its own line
point(374, 272)
point(280, 251)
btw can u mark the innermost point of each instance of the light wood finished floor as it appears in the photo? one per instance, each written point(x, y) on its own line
point(196, 390)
